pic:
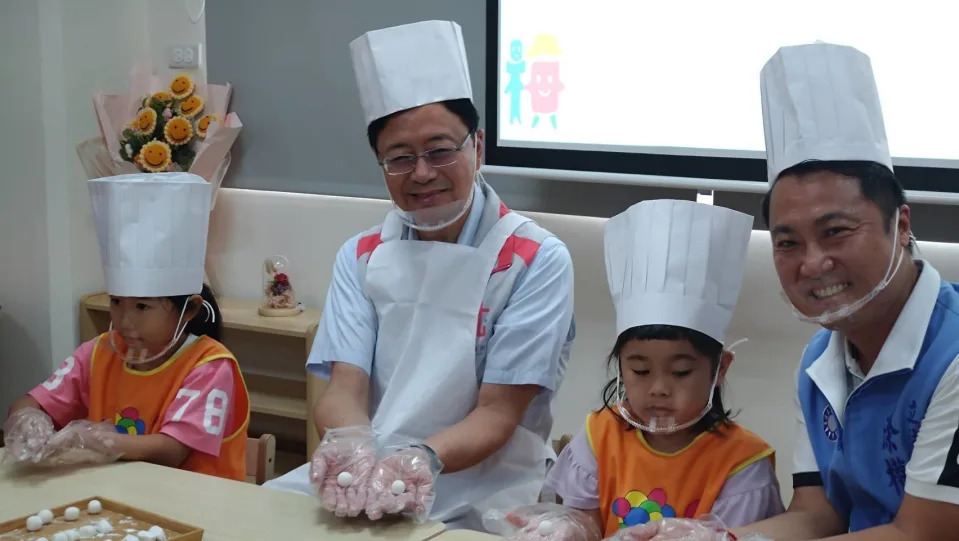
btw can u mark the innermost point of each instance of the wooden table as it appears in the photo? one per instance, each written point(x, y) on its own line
point(226, 510)
point(466, 535)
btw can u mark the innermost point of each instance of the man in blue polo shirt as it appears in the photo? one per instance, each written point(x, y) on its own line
point(878, 386)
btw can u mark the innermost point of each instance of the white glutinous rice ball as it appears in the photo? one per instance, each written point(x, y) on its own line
point(158, 533)
point(94, 507)
point(61, 536)
point(88, 531)
point(545, 528)
point(71, 513)
point(104, 526)
point(72, 535)
point(41, 539)
point(344, 479)
point(34, 523)
point(46, 516)
point(131, 538)
point(398, 487)
point(145, 536)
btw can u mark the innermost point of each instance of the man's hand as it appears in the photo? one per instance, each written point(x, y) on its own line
point(341, 467)
point(403, 483)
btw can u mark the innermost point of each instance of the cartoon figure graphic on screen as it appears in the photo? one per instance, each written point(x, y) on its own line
point(544, 85)
point(515, 67)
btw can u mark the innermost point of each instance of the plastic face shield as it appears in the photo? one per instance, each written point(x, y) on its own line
point(665, 424)
point(141, 356)
point(440, 216)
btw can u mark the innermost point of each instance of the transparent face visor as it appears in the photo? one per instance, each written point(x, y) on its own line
point(440, 216)
point(141, 356)
point(842, 312)
point(665, 424)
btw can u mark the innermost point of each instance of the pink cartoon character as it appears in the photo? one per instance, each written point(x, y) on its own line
point(544, 85)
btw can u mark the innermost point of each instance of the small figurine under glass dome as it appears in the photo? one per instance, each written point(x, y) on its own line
point(279, 298)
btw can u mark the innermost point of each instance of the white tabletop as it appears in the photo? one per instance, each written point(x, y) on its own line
point(466, 535)
point(226, 510)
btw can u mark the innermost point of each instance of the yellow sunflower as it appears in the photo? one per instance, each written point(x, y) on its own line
point(163, 97)
point(145, 121)
point(178, 131)
point(181, 86)
point(191, 106)
point(155, 156)
point(204, 124)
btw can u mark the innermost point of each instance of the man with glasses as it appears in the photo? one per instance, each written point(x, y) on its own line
point(447, 328)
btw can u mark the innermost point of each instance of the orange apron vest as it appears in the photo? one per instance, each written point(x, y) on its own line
point(638, 484)
point(137, 402)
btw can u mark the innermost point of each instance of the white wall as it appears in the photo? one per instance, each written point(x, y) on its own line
point(24, 291)
point(56, 53)
point(170, 22)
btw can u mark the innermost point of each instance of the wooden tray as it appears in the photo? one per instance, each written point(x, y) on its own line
point(121, 516)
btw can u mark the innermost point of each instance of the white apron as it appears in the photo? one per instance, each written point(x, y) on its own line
point(427, 297)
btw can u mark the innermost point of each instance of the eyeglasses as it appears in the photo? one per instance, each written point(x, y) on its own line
point(436, 157)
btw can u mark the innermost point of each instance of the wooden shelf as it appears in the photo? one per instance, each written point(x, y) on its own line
point(281, 406)
point(240, 314)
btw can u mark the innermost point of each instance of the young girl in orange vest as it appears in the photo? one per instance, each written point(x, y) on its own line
point(158, 386)
point(663, 445)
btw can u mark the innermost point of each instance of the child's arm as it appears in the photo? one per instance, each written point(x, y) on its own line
point(65, 395)
point(26, 430)
point(749, 496)
point(156, 448)
point(25, 401)
point(575, 478)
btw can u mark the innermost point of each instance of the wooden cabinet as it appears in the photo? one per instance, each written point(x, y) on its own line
point(272, 353)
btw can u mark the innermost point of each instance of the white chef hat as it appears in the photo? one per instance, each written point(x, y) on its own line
point(152, 229)
point(410, 65)
point(678, 263)
point(820, 102)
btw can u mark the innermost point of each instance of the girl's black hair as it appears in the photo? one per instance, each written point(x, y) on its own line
point(204, 323)
point(718, 416)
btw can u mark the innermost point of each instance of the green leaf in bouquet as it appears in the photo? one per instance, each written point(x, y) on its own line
point(157, 106)
point(127, 133)
point(161, 123)
point(183, 160)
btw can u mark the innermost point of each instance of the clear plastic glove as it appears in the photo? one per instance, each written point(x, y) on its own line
point(704, 528)
point(541, 522)
point(341, 467)
point(81, 442)
point(403, 483)
point(25, 434)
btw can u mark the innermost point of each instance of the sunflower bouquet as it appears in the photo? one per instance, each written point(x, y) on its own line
point(164, 133)
point(180, 126)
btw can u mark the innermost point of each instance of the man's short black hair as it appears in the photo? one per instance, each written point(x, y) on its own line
point(462, 107)
point(877, 183)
